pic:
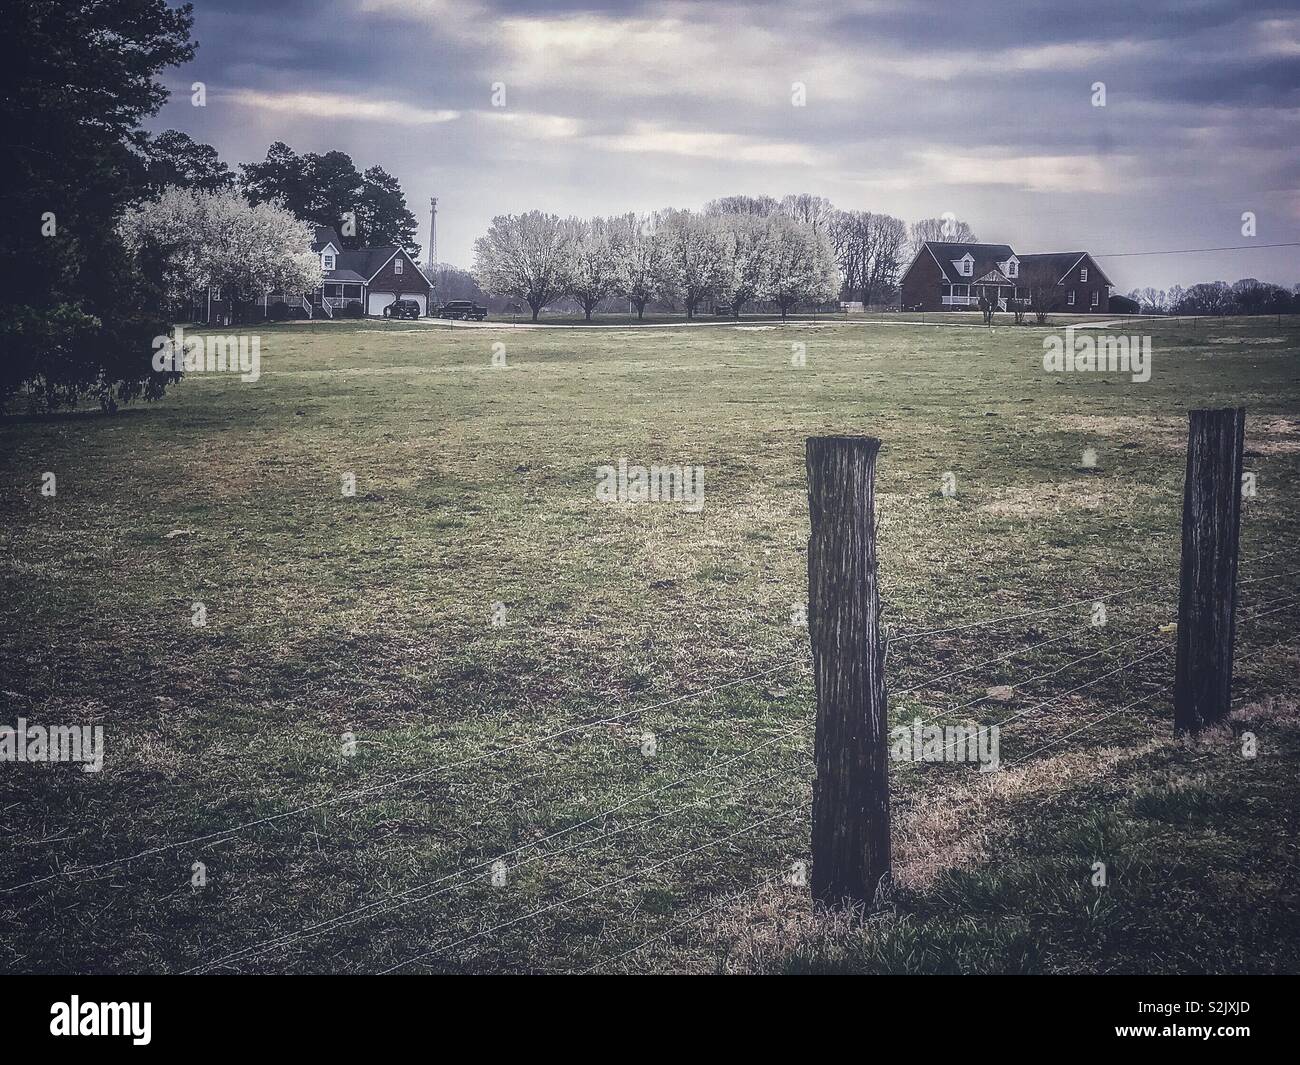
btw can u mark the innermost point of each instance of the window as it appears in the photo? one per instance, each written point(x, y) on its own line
point(1083, 273)
point(960, 290)
point(327, 261)
point(1096, 299)
point(1069, 297)
point(397, 265)
point(1013, 268)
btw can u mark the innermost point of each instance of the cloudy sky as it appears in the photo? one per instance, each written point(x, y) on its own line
point(911, 108)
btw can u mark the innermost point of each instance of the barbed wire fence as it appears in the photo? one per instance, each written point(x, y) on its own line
point(593, 830)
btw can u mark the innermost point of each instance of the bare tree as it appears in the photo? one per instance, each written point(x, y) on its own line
point(948, 228)
point(755, 205)
point(815, 212)
point(988, 304)
point(886, 243)
point(1209, 297)
point(848, 242)
point(525, 256)
point(1039, 280)
point(1151, 300)
point(868, 250)
point(1250, 296)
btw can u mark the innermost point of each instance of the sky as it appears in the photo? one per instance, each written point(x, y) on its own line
point(914, 109)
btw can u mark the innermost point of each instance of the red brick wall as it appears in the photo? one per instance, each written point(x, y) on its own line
point(1083, 290)
point(921, 287)
point(410, 280)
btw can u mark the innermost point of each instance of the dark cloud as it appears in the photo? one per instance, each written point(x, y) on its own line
point(910, 106)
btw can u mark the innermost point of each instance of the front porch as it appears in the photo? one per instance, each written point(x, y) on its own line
point(970, 295)
point(325, 302)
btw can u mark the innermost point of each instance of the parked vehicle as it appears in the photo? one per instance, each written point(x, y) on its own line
point(462, 309)
point(402, 309)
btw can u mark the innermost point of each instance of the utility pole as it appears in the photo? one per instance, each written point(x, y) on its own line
point(433, 233)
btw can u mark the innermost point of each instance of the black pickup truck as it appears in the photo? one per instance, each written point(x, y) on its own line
point(462, 309)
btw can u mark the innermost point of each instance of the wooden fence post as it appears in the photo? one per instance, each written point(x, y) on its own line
point(1207, 595)
point(850, 816)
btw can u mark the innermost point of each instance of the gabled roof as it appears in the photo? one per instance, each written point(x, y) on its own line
point(326, 235)
point(369, 261)
point(360, 264)
point(1060, 263)
point(986, 258)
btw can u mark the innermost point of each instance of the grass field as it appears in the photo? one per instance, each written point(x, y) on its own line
point(499, 644)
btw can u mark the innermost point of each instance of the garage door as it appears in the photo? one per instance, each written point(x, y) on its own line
point(420, 299)
point(377, 301)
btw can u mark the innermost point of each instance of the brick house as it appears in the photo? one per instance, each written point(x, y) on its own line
point(946, 276)
point(1080, 285)
point(369, 278)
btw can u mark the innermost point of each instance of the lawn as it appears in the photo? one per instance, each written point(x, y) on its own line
point(460, 720)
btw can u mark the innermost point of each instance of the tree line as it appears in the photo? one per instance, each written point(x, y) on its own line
point(799, 250)
point(1247, 296)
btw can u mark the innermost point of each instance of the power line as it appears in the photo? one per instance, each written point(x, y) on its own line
point(1196, 251)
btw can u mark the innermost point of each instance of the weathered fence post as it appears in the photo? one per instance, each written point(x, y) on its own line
point(850, 817)
point(1207, 595)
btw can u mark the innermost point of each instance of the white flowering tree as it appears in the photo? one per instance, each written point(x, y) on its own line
point(524, 256)
point(592, 261)
point(800, 264)
point(640, 247)
point(219, 240)
point(744, 259)
point(690, 263)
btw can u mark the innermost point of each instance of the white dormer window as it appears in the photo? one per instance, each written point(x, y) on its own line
point(1013, 267)
point(965, 265)
point(1083, 273)
point(397, 265)
point(327, 260)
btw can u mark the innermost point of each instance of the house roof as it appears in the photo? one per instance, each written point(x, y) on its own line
point(326, 235)
point(359, 264)
point(365, 261)
point(986, 256)
point(1060, 263)
point(343, 275)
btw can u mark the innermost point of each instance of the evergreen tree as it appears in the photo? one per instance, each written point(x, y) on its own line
point(80, 311)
